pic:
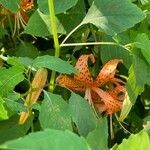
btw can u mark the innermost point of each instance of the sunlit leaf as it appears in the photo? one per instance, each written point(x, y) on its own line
point(126, 107)
point(3, 111)
point(139, 141)
point(48, 139)
point(113, 16)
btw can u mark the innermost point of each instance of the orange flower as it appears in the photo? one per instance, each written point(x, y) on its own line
point(21, 17)
point(106, 92)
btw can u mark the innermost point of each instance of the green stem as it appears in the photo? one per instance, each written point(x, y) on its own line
point(55, 37)
point(95, 43)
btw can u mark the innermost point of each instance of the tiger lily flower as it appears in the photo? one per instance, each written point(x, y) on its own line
point(106, 92)
point(21, 17)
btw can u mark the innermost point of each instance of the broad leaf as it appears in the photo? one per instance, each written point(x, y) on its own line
point(75, 15)
point(53, 63)
point(39, 25)
point(3, 111)
point(54, 112)
point(48, 139)
point(139, 141)
point(143, 42)
point(9, 78)
point(60, 6)
point(141, 68)
point(98, 138)
point(12, 5)
point(25, 49)
point(126, 107)
point(132, 88)
point(115, 52)
point(82, 114)
point(10, 129)
point(113, 16)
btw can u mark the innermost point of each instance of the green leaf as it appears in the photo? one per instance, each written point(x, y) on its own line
point(141, 68)
point(138, 141)
point(143, 42)
point(82, 114)
point(39, 25)
point(26, 50)
point(12, 5)
point(3, 111)
point(9, 78)
point(60, 6)
point(132, 88)
point(113, 16)
point(125, 108)
point(13, 103)
point(53, 63)
point(75, 15)
point(48, 139)
point(10, 129)
point(54, 112)
point(98, 138)
point(115, 52)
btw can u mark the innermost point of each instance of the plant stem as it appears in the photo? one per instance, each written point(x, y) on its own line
point(71, 33)
point(55, 37)
point(94, 43)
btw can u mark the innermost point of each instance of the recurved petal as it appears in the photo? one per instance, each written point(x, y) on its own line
point(70, 83)
point(118, 93)
point(107, 72)
point(82, 66)
point(111, 104)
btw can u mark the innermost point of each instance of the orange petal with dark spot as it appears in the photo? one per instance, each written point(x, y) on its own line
point(111, 104)
point(107, 72)
point(82, 66)
point(71, 83)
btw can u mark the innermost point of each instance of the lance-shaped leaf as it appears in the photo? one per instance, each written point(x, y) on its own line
point(113, 16)
point(53, 63)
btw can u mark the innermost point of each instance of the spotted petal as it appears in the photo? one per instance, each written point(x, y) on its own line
point(82, 66)
point(107, 72)
point(111, 104)
point(70, 83)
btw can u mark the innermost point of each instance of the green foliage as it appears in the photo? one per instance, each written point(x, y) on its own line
point(3, 111)
point(39, 25)
point(62, 119)
point(53, 63)
point(113, 16)
point(9, 78)
point(11, 5)
point(54, 112)
point(60, 6)
point(48, 139)
point(97, 139)
point(82, 114)
point(137, 141)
